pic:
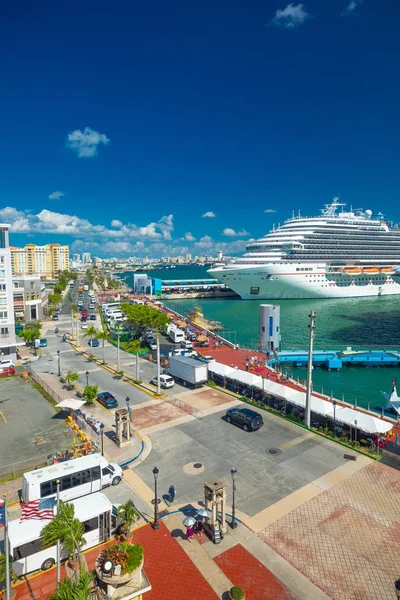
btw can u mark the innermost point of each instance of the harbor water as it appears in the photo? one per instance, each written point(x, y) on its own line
point(365, 323)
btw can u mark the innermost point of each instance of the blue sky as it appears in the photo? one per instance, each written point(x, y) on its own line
point(124, 123)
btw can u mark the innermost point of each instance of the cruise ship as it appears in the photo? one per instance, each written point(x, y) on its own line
point(340, 254)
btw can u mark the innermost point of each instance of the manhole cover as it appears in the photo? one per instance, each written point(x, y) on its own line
point(197, 465)
point(274, 451)
point(193, 468)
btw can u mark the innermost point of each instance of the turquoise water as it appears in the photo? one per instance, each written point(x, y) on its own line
point(340, 323)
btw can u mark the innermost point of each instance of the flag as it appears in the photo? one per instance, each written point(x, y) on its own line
point(2, 513)
point(41, 510)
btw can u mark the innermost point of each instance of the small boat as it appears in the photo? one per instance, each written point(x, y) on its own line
point(370, 270)
point(351, 270)
point(386, 269)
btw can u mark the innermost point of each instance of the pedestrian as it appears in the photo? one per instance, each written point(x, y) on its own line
point(172, 494)
point(189, 533)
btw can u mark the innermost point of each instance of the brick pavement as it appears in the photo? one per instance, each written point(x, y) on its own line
point(347, 538)
point(255, 579)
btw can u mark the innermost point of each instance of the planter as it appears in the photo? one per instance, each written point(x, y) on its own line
point(237, 596)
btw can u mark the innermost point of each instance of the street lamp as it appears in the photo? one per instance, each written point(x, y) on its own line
point(233, 522)
point(59, 368)
point(334, 418)
point(155, 524)
point(101, 438)
point(87, 377)
point(355, 430)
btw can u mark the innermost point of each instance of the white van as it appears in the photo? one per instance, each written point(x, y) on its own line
point(98, 518)
point(78, 477)
point(186, 345)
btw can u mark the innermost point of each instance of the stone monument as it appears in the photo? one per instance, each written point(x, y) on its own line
point(215, 502)
point(122, 427)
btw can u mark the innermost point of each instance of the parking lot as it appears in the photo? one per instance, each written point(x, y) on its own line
point(263, 478)
point(29, 426)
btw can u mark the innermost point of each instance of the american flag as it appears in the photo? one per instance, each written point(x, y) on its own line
point(2, 513)
point(41, 510)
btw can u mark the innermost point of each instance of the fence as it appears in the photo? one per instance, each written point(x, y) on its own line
point(16, 469)
point(37, 379)
point(194, 412)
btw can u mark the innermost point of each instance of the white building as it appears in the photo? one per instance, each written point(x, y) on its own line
point(86, 259)
point(27, 294)
point(7, 324)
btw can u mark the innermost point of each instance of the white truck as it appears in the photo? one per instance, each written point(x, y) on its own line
point(85, 288)
point(176, 336)
point(189, 370)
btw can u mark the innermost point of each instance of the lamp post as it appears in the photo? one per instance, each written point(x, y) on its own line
point(127, 400)
point(233, 522)
point(87, 377)
point(355, 430)
point(101, 438)
point(155, 524)
point(118, 365)
point(59, 367)
point(334, 418)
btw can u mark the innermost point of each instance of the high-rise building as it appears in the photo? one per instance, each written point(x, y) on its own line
point(47, 261)
point(7, 325)
point(76, 258)
point(86, 258)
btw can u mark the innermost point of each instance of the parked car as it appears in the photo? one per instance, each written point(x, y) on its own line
point(94, 343)
point(92, 317)
point(58, 310)
point(247, 419)
point(152, 344)
point(166, 381)
point(6, 364)
point(43, 343)
point(186, 345)
point(55, 317)
point(107, 400)
point(80, 302)
point(6, 372)
point(84, 325)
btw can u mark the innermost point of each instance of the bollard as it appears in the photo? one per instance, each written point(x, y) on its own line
point(397, 439)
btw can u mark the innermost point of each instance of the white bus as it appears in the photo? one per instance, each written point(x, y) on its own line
point(78, 477)
point(98, 517)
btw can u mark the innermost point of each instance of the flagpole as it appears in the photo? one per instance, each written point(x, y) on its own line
point(58, 541)
point(7, 549)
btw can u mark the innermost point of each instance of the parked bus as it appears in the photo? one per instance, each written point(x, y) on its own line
point(78, 477)
point(98, 518)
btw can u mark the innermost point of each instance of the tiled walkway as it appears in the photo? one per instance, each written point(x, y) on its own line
point(172, 574)
point(256, 580)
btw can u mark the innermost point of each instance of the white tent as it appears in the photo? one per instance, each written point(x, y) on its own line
point(71, 403)
point(220, 369)
point(247, 378)
point(360, 420)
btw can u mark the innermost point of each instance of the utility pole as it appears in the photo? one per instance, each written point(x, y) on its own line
point(137, 366)
point(307, 414)
point(118, 369)
point(158, 364)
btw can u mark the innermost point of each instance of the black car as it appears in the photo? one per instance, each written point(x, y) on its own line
point(92, 317)
point(248, 420)
point(55, 317)
point(107, 400)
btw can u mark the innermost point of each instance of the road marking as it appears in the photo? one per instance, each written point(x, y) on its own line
point(5, 420)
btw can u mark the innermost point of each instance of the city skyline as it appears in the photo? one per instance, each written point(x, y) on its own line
point(157, 131)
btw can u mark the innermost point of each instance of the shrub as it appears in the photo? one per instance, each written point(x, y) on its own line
point(129, 556)
point(236, 593)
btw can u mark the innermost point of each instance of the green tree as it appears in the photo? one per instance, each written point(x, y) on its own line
point(103, 336)
point(70, 589)
point(128, 514)
point(71, 376)
point(51, 310)
point(90, 393)
point(58, 288)
point(3, 573)
point(141, 316)
point(30, 333)
point(133, 346)
point(55, 298)
point(68, 530)
point(90, 331)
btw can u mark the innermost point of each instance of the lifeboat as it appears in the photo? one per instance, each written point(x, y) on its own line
point(386, 269)
point(370, 270)
point(352, 270)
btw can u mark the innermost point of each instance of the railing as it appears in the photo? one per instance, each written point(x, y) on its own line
point(194, 412)
point(37, 379)
point(17, 469)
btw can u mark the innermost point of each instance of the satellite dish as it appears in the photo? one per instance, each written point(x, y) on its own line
point(368, 214)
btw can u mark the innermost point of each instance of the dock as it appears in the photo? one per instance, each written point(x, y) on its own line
point(194, 288)
point(336, 359)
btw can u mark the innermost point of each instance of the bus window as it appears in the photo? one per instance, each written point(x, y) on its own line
point(95, 473)
point(45, 489)
point(66, 482)
point(76, 479)
point(91, 524)
point(85, 476)
point(27, 549)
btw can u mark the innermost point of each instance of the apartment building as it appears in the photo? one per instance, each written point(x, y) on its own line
point(27, 295)
point(7, 325)
point(47, 261)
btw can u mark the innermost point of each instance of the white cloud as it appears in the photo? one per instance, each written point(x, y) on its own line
point(85, 143)
point(209, 214)
point(116, 223)
point(166, 225)
point(189, 237)
point(351, 7)
point(56, 195)
point(291, 16)
point(232, 233)
point(270, 210)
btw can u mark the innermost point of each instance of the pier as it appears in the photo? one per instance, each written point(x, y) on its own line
point(194, 288)
point(336, 359)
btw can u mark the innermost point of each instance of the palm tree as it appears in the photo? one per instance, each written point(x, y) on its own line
point(74, 313)
point(103, 336)
point(67, 530)
point(128, 515)
point(68, 589)
point(92, 331)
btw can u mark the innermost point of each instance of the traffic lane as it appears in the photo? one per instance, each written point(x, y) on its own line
point(107, 382)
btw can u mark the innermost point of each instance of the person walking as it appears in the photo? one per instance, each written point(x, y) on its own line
point(189, 533)
point(172, 494)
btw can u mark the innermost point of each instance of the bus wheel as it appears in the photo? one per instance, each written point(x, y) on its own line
point(47, 564)
point(116, 480)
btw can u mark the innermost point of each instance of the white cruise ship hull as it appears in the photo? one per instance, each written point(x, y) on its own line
point(301, 281)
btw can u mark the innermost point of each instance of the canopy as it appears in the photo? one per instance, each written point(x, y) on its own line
point(360, 420)
point(220, 369)
point(247, 378)
point(181, 323)
point(202, 338)
point(71, 403)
